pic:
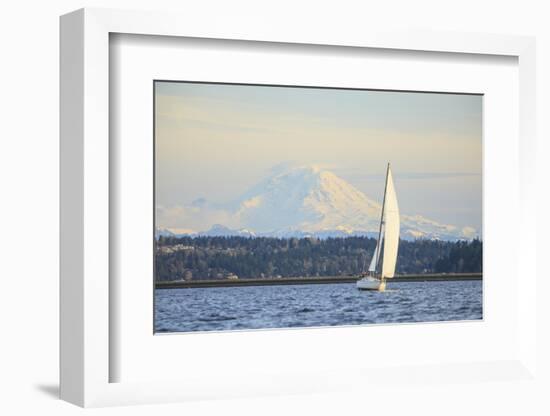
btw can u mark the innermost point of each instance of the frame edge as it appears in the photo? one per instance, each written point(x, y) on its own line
point(83, 355)
point(71, 221)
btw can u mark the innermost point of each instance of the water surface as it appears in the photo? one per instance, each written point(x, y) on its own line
point(256, 307)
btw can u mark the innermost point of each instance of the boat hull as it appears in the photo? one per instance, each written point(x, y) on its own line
point(370, 283)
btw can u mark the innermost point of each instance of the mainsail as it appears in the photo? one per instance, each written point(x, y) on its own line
point(391, 229)
point(387, 243)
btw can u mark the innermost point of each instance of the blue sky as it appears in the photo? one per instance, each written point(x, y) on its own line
point(215, 141)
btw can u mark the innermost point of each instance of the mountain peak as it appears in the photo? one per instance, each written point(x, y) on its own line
point(306, 198)
point(297, 200)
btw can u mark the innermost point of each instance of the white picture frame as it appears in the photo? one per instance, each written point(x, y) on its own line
point(86, 356)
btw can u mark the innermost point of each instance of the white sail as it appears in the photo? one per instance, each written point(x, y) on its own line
point(391, 229)
point(372, 266)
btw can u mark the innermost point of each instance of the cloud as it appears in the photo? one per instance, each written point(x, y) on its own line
point(435, 175)
point(193, 218)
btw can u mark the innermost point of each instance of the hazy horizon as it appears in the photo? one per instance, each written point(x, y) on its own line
point(216, 141)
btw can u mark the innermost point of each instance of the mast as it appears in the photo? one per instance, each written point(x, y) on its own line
point(379, 243)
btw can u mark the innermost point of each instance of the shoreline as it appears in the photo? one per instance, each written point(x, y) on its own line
point(180, 284)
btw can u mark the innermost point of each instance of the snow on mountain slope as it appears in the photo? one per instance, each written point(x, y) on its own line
point(218, 230)
point(164, 232)
point(308, 200)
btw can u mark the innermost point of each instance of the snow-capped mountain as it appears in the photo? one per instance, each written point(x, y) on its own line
point(164, 232)
point(219, 230)
point(306, 199)
point(311, 201)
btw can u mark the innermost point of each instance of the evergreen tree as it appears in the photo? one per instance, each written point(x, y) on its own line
point(218, 257)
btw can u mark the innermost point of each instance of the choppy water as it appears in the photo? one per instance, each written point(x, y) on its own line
point(255, 307)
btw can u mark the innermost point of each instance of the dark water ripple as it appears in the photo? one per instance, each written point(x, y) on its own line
point(256, 307)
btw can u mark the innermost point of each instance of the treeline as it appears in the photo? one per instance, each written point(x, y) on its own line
point(463, 257)
point(231, 257)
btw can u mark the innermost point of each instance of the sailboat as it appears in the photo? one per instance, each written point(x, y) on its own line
point(384, 259)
